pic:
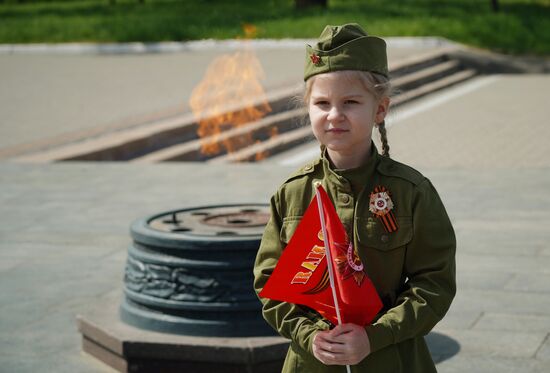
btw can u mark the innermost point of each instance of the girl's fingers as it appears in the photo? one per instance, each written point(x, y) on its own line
point(345, 344)
point(333, 348)
point(344, 333)
point(342, 329)
point(325, 343)
point(326, 351)
point(330, 358)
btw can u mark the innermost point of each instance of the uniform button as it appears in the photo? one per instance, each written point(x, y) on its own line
point(344, 198)
point(308, 167)
point(385, 238)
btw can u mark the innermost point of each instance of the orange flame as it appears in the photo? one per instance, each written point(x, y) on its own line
point(229, 96)
point(261, 155)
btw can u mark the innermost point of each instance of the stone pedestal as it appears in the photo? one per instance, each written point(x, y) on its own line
point(129, 349)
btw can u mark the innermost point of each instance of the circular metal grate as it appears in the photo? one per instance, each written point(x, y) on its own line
point(227, 220)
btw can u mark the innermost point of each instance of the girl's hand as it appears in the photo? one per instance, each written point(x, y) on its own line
point(326, 350)
point(346, 344)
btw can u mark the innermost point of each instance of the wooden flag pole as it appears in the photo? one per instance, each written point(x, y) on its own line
point(329, 257)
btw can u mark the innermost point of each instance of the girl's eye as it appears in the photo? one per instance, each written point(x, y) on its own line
point(351, 102)
point(321, 103)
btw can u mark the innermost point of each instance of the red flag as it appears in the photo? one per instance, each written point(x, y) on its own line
point(301, 275)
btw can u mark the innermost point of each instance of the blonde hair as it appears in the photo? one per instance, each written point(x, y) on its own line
point(376, 84)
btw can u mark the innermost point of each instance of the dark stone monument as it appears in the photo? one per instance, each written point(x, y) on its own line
point(188, 298)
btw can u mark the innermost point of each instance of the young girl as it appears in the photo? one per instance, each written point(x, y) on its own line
point(398, 223)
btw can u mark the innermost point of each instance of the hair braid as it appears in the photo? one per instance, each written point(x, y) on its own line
point(384, 139)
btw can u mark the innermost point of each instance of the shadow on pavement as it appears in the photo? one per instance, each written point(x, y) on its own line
point(441, 346)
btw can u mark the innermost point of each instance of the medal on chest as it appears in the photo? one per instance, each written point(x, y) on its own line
point(381, 206)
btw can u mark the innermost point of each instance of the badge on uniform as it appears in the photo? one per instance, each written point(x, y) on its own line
point(381, 206)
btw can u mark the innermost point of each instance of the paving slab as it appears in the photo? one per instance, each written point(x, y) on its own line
point(515, 264)
point(483, 280)
point(537, 282)
point(521, 303)
point(485, 364)
point(459, 319)
point(513, 322)
point(496, 342)
point(543, 353)
point(490, 126)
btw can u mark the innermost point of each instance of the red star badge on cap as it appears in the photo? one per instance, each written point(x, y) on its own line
point(315, 59)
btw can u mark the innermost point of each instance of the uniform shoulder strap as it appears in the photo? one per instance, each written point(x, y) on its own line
point(306, 169)
point(390, 167)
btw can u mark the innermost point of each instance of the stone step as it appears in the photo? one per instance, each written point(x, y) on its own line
point(265, 149)
point(418, 62)
point(301, 135)
point(258, 131)
point(425, 75)
point(176, 139)
point(134, 142)
point(187, 152)
point(434, 86)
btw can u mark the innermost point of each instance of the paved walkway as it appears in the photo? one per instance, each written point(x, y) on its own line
point(64, 227)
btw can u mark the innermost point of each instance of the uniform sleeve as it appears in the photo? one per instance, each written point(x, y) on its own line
point(289, 320)
point(430, 270)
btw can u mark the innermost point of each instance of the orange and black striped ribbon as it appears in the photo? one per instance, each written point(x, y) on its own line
point(389, 222)
point(388, 219)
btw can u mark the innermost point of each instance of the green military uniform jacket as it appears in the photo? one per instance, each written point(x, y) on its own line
point(413, 268)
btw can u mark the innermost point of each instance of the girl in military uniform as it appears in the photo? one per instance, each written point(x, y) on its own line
point(399, 225)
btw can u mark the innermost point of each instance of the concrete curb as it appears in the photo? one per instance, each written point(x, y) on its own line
point(489, 62)
point(199, 45)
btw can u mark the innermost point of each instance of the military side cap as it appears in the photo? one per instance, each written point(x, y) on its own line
point(346, 47)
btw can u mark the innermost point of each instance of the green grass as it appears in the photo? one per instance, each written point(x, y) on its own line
point(521, 26)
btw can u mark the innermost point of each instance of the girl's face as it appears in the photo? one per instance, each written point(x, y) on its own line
point(342, 113)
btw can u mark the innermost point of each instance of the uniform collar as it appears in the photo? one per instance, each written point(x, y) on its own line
point(354, 175)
